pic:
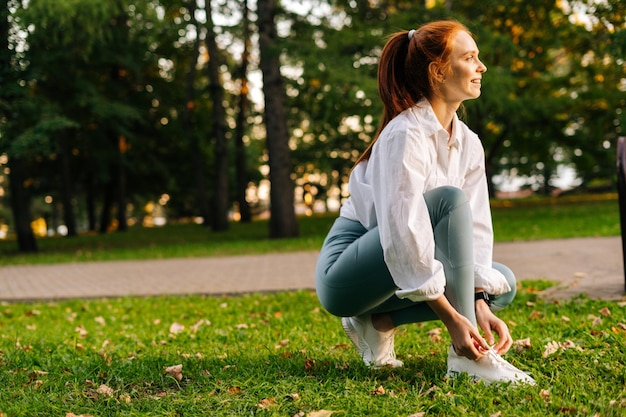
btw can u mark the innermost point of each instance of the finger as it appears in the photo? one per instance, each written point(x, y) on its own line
point(489, 336)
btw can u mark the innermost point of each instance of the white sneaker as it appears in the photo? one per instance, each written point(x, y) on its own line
point(376, 348)
point(490, 368)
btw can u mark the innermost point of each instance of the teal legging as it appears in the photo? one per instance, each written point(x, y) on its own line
point(352, 278)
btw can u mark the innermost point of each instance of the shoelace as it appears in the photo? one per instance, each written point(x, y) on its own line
point(496, 360)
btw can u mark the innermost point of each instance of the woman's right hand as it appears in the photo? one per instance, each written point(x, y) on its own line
point(466, 340)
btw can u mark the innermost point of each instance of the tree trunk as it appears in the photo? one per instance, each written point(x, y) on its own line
point(202, 199)
point(19, 197)
point(90, 202)
point(66, 184)
point(220, 190)
point(107, 205)
point(120, 178)
point(20, 205)
point(283, 222)
point(240, 148)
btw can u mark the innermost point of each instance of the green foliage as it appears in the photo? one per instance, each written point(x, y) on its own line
point(281, 355)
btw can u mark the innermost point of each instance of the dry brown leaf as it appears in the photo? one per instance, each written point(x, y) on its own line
point(605, 312)
point(82, 332)
point(125, 398)
point(565, 319)
point(551, 347)
point(241, 326)
point(320, 413)
point(199, 324)
point(523, 343)
point(234, 390)
point(282, 343)
point(175, 371)
point(378, 391)
point(100, 320)
point(535, 315)
point(267, 403)
point(105, 390)
point(309, 364)
point(545, 394)
point(420, 414)
point(435, 335)
point(176, 328)
point(496, 414)
point(77, 415)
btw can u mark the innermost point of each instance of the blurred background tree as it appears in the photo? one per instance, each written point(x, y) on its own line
point(124, 112)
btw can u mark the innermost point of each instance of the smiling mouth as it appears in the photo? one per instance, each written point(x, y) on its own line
point(476, 82)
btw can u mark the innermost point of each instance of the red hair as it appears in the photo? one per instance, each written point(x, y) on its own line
point(405, 75)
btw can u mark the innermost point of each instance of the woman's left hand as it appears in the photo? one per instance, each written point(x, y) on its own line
point(491, 324)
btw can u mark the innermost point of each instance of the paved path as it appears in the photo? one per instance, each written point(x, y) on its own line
point(591, 266)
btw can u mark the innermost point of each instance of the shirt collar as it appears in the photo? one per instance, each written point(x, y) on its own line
point(430, 124)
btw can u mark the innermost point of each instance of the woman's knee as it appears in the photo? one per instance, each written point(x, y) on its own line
point(452, 196)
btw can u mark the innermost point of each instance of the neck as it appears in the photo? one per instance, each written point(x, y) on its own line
point(445, 112)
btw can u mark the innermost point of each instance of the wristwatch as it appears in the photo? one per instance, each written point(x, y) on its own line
point(482, 295)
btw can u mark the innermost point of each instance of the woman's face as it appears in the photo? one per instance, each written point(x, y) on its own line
point(466, 70)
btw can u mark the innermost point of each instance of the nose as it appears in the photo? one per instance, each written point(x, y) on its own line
point(482, 67)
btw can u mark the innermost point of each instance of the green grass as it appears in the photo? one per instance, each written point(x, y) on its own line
point(282, 355)
point(513, 220)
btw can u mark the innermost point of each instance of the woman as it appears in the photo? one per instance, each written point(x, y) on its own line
point(414, 240)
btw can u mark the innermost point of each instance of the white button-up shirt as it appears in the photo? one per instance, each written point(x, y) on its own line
point(413, 155)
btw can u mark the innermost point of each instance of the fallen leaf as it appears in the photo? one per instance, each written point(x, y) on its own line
point(435, 335)
point(605, 312)
point(234, 390)
point(175, 371)
point(282, 344)
point(535, 315)
point(105, 390)
point(320, 413)
point(551, 347)
point(82, 332)
point(309, 364)
point(545, 394)
point(125, 398)
point(100, 320)
point(267, 403)
point(378, 391)
point(565, 319)
point(200, 323)
point(420, 414)
point(176, 328)
point(595, 321)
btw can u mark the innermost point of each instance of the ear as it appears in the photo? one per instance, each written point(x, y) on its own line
point(435, 72)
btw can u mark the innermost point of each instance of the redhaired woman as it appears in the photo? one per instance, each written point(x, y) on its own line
point(414, 240)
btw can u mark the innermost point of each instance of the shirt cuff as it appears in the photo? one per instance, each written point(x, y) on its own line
point(491, 280)
point(430, 290)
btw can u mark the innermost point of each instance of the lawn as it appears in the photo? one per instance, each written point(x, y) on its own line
point(281, 354)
